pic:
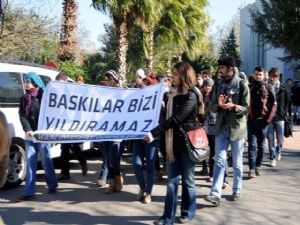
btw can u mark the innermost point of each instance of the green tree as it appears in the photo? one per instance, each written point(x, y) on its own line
point(182, 30)
point(105, 59)
point(202, 63)
point(278, 23)
point(230, 48)
point(70, 68)
point(119, 10)
point(27, 36)
point(148, 14)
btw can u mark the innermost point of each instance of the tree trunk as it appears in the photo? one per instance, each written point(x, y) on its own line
point(122, 49)
point(149, 49)
point(68, 42)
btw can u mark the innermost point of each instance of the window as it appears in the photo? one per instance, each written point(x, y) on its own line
point(11, 88)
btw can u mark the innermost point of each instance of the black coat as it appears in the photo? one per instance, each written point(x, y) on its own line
point(185, 112)
point(282, 99)
point(30, 123)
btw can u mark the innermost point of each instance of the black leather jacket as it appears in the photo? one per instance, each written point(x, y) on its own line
point(185, 111)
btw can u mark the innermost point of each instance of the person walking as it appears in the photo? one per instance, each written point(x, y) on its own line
point(277, 124)
point(261, 111)
point(182, 111)
point(76, 148)
point(230, 100)
point(29, 115)
point(111, 167)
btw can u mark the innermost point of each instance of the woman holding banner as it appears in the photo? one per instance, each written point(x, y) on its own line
point(183, 107)
point(142, 150)
point(112, 150)
point(29, 115)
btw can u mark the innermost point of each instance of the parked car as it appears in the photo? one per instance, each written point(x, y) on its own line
point(11, 89)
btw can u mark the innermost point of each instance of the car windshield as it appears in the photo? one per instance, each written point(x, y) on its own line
point(11, 88)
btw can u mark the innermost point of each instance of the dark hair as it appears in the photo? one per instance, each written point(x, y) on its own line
point(61, 76)
point(207, 72)
point(274, 72)
point(259, 69)
point(187, 76)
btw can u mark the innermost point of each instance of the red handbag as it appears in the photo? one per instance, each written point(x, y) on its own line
point(197, 144)
point(198, 138)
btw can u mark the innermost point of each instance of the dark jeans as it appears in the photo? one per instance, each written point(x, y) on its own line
point(256, 140)
point(143, 150)
point(211, 142)
point(104, 168)
point(65, 156)
point(113, 152)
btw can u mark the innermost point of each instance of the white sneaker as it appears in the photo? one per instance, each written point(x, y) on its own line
point(278, 157)
point(147, 199)
point(273, 163)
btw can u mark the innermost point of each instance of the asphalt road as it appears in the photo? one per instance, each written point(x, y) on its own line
point(273, 198)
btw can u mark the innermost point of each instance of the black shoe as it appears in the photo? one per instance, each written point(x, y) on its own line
point(84, 169)
point(213, 199)
point(235, 197)
point(51, 191)
point(25, 198)
point(63, 177)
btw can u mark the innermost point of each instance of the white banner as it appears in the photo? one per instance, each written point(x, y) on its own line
point(76, 113)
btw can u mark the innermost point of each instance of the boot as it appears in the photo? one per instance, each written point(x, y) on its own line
point(112, 186)
point(119, 183)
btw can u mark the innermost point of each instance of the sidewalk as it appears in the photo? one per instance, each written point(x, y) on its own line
point(273, 198)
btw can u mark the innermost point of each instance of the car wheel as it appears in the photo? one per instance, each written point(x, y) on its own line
point(17, 165)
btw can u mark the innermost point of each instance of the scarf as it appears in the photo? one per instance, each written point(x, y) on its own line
point(28, 99)
point(169, 132)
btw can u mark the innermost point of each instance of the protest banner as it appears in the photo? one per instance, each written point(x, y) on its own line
point(76, 113)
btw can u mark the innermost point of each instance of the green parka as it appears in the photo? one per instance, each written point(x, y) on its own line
point(235, 119)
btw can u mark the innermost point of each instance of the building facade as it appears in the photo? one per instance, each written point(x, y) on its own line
point(254, 52)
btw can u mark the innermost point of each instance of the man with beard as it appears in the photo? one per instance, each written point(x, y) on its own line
point(230, 100)
point(261, 112)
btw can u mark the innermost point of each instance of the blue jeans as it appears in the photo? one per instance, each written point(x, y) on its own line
point(32, 151)
point(141, 149)
point(278, 128)
point(113, 152)
point(104, 168)
point(186, 168)
point(237, 148)
point(256, 140)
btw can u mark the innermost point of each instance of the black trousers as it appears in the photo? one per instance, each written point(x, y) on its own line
point(76, 148)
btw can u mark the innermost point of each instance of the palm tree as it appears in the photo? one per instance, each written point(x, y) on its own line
point(148, 15)
point(183, 29)
point(119, 10)
point(68, 42)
